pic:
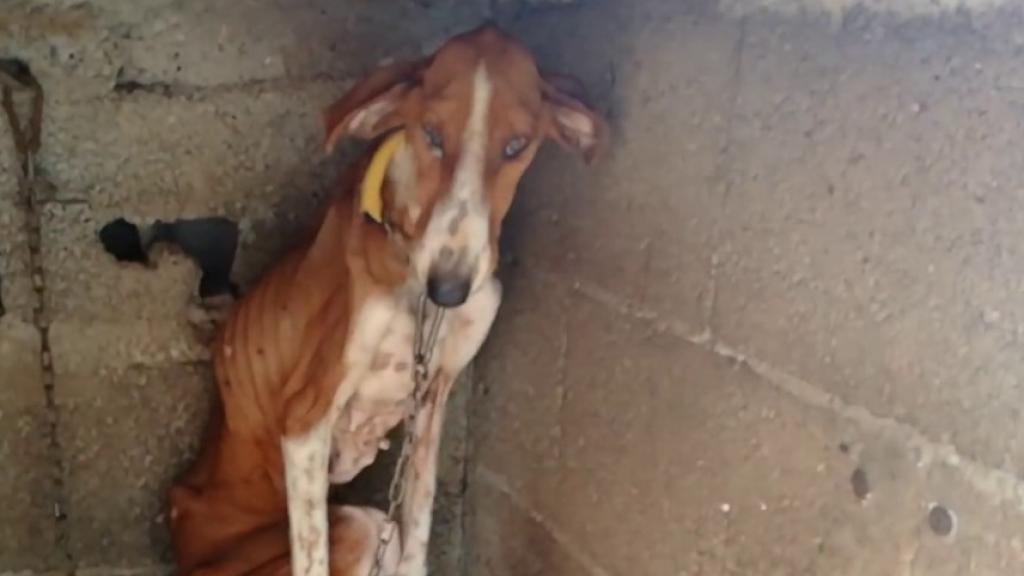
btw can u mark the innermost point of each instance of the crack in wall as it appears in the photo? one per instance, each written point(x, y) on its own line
point(723, 164)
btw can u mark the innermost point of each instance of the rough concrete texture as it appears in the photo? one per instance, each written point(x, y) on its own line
point(904, 210)
point(678, 460)
point(125, 431)
point(160, 110)
point(27, 529)
point(778, 325)
point(773, 333)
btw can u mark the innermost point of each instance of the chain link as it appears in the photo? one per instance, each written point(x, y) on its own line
point(422, 353)
point(16, 79)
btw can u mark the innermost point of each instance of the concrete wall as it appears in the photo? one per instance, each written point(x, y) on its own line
point(158, 109)
point(774, 329)
point(778, 331)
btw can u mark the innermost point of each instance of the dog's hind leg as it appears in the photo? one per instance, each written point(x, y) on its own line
point(355, 535)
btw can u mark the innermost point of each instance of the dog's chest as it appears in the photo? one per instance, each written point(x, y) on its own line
point(382, 351)
point(380, 368)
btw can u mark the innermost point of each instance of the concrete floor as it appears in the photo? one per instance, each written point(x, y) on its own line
point(774, 333)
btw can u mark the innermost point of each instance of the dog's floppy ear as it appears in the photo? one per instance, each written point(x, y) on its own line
point(574, 123)
point(372, 105)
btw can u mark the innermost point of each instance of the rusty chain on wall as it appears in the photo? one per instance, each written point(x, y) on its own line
point(16, 78)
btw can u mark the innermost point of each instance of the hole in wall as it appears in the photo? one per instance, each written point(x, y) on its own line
point(860, 484)
point(122, 240)
point(210, 242)
point(941, 520)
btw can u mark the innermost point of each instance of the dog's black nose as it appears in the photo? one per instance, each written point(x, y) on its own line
point(447, 291)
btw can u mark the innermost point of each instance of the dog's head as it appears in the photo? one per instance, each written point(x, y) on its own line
point(472, 115)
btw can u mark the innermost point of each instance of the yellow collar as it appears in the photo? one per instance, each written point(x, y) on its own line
point(371, 190)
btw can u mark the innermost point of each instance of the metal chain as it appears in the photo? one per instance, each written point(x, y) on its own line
point(15, 76)
point(16, 79)
point(422, 353)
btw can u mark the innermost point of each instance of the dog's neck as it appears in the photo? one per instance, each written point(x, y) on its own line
point(376, 251)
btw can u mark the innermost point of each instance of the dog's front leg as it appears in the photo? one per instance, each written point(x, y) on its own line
point(421, 477)
point(305, 463)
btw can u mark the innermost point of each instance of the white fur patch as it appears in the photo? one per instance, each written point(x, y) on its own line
point(402, 173)
point(365, 120)
point(469, 172)
point(461, 223)
point(307, 457)
point(305, 465)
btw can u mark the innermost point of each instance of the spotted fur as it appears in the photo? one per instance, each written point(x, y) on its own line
point(314, 365)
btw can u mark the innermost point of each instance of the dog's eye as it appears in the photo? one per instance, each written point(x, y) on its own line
point(433, 138)
point(514, 147)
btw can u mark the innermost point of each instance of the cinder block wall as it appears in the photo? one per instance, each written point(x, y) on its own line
point(774, 333)
point(157, 110)
point(778, 331)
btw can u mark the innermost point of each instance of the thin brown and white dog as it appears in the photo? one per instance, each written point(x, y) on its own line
point(314, 365)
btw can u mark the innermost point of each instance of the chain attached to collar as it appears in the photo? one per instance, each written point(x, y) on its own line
point(425, 341)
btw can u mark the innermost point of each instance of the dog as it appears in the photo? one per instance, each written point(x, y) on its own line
point(315, 365)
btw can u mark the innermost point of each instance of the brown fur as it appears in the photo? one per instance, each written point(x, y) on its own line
point(277, 359)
